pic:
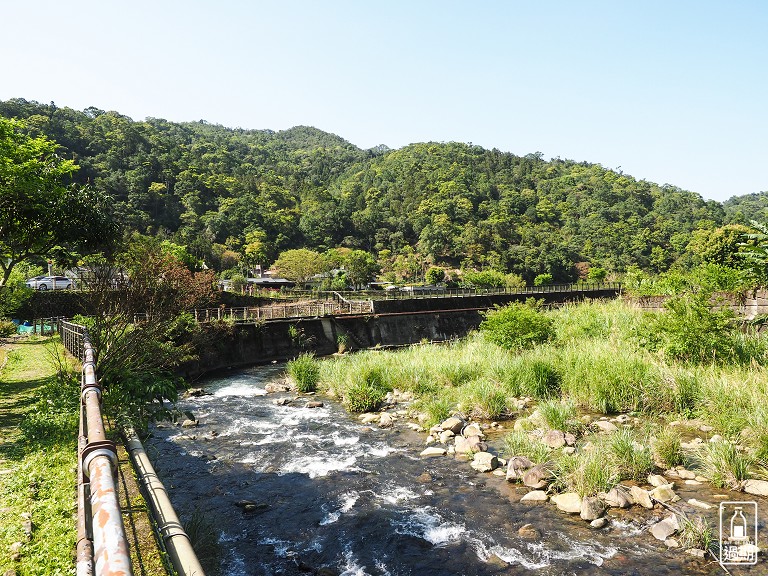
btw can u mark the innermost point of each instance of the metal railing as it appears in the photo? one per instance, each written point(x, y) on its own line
point(102, 547)
point(284, 311)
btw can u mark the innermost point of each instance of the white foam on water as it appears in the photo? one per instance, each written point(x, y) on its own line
point(340, 440)
point(348, 501)
point(351, 565)
point(318, 465)
point(380, 451)
point(430, 527)
point(510, 555)
point(399, 494)
point(238, 388)
point(282, 547)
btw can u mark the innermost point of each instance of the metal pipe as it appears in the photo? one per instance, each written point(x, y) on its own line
point(176, 540)
point(111, 556)
point(84, 544)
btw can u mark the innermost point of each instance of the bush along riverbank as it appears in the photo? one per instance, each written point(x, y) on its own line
point(603, 407)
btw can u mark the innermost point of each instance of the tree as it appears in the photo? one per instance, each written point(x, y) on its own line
point(39, 213)
point(298, 265)
point(434, 275)
point(361, 267)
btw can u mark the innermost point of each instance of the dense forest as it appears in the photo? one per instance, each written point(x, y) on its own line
point(239, 197)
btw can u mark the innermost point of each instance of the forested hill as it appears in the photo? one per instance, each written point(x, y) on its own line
point(219, 190)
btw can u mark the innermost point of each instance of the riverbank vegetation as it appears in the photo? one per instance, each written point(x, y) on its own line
point(692, 365)
point(38, 453)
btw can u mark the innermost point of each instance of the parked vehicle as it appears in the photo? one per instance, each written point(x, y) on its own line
point(50, 283)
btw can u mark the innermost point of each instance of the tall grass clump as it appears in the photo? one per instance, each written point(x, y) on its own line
point(518, 443)
point(204, 539)
point(696, 533)
point(724, 465)
point(484, 400)
point(667, 448)
point(366, 393)
point(436, 408)
point(305, 372)
point(517, 326)
point(560, 415)
point(632, 459)
point(586, 474)
point(608, 378)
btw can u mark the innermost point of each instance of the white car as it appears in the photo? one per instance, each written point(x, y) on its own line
point(50, 283)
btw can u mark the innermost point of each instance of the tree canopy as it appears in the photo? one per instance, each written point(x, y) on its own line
point(237, 197)
point(41, 210)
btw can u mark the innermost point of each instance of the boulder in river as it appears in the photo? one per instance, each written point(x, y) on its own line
point(453, 424)
point(592, 508)
point(516, 467)
point(535, 496)
point(756, 487)
point(554, 439)
point(616, 498)
point(472, 430)
point(485, 462)
point(434, 451)
point(664, 529)
point(664, 493)
point(528, 532)
point(641, 497)
point(569, 502)
point(538, 476)
point(471, 444)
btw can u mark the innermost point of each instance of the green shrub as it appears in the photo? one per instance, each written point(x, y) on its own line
point(305, 372)
point(543, 279)
point(434, 275)
point(7, 328)
point(693, 330)
point(517, 326)
point(667, 448)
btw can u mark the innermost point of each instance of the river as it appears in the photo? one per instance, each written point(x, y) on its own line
point(331, 496)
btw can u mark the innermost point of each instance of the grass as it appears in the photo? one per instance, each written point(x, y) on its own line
point(630, 454)
point(43, 482)
point(305, 372)
point(561, 415)
point(724, 464)
point(600, 359)
point(667, 448)
point(696, 533)
point(518, 443)
point(38, 442)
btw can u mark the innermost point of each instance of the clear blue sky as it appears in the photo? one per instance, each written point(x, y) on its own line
point(670, 91)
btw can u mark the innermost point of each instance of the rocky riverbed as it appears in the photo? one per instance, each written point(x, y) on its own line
point(293, 484)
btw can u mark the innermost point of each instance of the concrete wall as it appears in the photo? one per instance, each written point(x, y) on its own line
point(394, 323)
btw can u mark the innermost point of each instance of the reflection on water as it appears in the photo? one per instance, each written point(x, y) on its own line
point(336, 497)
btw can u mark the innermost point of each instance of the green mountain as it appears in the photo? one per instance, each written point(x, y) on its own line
point(207, 187)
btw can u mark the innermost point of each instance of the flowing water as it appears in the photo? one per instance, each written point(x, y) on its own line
point(331, 496)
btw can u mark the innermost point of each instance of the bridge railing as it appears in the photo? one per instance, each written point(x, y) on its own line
point(284, 311)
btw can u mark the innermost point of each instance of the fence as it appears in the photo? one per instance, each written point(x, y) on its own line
point(102, 547)
point(410, 292)
point(282, 311)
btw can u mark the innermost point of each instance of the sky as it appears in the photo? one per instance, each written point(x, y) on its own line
point(673, 92)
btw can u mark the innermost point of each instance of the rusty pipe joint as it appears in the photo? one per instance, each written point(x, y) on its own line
point(95, 449)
